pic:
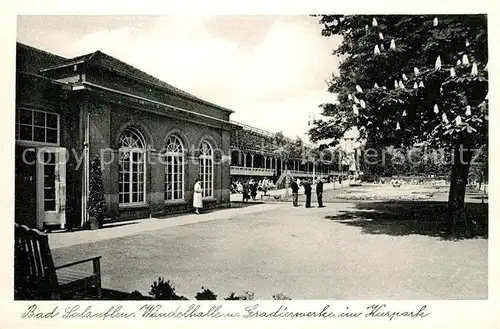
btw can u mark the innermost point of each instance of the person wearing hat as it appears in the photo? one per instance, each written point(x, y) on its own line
point(295, 192)
point(319, 192)
point(307, 192)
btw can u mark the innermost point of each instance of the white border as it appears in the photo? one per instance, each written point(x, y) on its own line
point(464, 314)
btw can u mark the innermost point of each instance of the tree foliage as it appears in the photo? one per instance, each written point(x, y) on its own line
point(412, 79)
point(398, 71)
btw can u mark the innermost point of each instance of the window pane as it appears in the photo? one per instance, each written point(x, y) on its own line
point(49, 157)
point(49, 194)
point(26, 133)
point(50, 205)
point(52, 120)
point(51, 136)
point(25, 116)
point(39, 134)
point(39, 118)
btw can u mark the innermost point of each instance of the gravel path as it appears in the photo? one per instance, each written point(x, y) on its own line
point(304, 253)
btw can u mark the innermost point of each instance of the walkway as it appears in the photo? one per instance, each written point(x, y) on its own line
point(338, 252)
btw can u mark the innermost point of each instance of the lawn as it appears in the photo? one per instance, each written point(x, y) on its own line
point(387, 192)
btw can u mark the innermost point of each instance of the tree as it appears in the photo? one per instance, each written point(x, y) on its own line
point(412, 79)
point(96, 204)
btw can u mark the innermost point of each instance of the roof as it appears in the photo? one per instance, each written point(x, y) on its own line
point(32, 60)
point(100, 59)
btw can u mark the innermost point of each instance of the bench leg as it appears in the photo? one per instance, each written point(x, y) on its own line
point(97, 271)
point(98, 288)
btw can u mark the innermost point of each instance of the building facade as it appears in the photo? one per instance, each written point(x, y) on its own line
point(153, 140)
point(256, 153)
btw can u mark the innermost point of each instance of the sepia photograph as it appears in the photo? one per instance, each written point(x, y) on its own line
point(251, 157)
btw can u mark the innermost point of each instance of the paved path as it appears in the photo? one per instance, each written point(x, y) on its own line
point(122, 229)
point(275, 248)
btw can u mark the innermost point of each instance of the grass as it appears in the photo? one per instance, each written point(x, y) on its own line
point(388, 192)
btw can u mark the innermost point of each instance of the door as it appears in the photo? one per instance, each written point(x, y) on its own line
point(25, 197)
point(51, 187)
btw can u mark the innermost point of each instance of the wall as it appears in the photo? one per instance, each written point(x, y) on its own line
point(115, 81)
point(40, 94)
point(109, 119)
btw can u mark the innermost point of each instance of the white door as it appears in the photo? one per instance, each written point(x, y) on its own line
point(51, 187)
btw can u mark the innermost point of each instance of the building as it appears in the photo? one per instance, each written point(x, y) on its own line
point(153, 140)
point(256, 153)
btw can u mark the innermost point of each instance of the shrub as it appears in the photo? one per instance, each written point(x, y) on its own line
point(136, 295)
point(246, 296)
point(205, 294)
point(164, 290)
point(281, 296)
point(96, 204)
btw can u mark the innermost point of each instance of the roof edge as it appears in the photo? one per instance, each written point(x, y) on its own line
point(23, 45)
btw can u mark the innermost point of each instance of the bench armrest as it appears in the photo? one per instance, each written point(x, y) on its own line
point(91, 259)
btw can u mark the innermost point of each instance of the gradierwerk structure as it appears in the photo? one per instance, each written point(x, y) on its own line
point(153, 140)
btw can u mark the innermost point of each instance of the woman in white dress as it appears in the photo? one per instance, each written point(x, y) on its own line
point(197, 202)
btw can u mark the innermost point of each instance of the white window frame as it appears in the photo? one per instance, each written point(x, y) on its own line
point(131, 151)
point(32, 142)
point(180, 157)
point(203, 172)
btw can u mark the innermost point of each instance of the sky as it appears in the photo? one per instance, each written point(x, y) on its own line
point(270, 70)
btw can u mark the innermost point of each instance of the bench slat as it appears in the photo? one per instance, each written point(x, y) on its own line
point(33, 252)
point(66, 275)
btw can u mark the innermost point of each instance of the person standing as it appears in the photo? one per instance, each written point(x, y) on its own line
point(265, 185)
point(295, 193)
point(319, 192)
point(307, 192)
point(253, 189)
point(246, 192)
point(197, 196)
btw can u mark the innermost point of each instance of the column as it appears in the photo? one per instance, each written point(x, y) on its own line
point(252, 159)
point(265, 162)
point(244, 159)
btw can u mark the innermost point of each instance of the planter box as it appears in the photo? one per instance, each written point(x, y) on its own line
point(94, 224)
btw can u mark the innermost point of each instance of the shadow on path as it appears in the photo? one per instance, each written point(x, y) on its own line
point(398, 218)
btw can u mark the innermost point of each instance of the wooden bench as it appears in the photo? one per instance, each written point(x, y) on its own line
point(36, 276)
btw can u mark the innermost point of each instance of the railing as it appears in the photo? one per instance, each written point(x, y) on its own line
point(301, 173)
point(267, 133)
point(235, 170)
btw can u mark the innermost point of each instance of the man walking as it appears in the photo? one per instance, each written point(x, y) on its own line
point(307, 192)
point(319, 192)
point(295, 193)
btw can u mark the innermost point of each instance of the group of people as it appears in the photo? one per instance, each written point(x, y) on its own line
point(262, 185)
point(307, 184)
point(249, 188)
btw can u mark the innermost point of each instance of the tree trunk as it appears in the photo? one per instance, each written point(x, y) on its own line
point(458, 223)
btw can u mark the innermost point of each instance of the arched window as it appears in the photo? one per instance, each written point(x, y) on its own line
point(132, 167)
point(207, 169)
point(174, 169)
